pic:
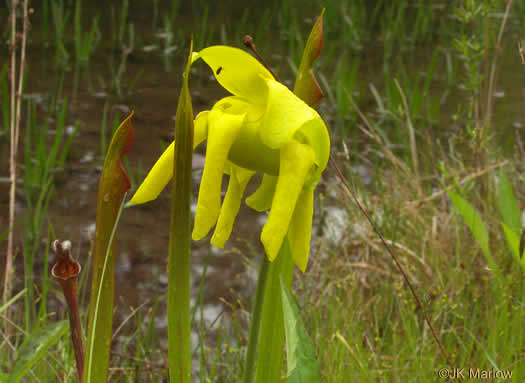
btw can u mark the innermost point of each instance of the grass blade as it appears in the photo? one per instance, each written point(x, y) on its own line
point(11, 301)
point(35, 348)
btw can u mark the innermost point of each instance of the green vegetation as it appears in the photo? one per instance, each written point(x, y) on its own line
point(423, 101)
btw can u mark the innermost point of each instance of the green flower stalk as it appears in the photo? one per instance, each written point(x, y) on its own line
point(262, 128)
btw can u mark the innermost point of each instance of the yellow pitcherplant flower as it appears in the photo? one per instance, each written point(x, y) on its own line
point(262, 128)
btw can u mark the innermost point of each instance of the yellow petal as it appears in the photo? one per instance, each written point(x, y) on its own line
point(316, 135)
point(248, 151)
point(238, 72)
point(161, 173)
point(200, 130)
point(287, 117)
point(300, 231)
point(195, 56)
point(223, 129)
point(296, 163)
point(261, 200)
point(239, 178)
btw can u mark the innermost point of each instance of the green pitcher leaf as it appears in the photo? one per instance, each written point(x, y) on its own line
point(306, 86)
point(35, 348)
point(302, 365)
point(507, 205)
point(179, 321)
point(114, 183)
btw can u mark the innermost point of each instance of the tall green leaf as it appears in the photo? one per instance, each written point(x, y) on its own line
point(35, 348)
point(473, 220)
point(477, 227)
point(510, 212)
point(508, 207)
point(179, 318)
point(302, 365)
point(513, 240)
point(113, 185)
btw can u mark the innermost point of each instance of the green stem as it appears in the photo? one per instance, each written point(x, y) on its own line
point(253, 337)
point(271, 339)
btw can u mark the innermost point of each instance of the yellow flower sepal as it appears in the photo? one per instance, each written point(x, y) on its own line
point(239, 178)
point(296, 163)
point(223, 129)
point(162, 172)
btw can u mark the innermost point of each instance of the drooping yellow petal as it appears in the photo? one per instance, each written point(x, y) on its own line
point(223, 129)
point(261, 200)
point(285, 114)
point(238, 72)
point(296, 163)
point(300, 230)
point(248, 151)
point(287, 117)
point(161, 173)
point(239, 178)
point(316, 135)
point(200, 128)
